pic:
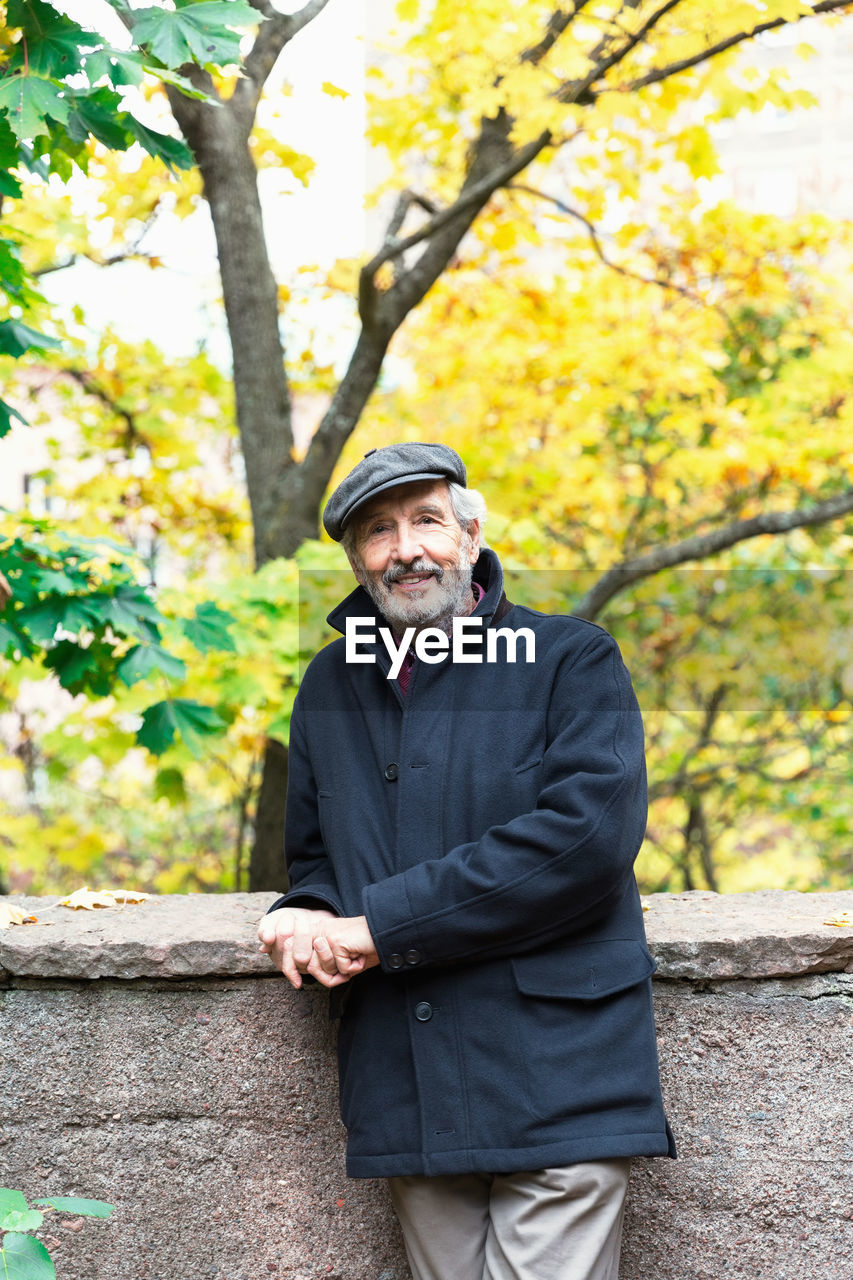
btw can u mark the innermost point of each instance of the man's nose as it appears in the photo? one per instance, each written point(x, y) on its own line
point(407, 544)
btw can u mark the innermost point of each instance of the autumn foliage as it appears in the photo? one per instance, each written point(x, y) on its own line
point(650, 387)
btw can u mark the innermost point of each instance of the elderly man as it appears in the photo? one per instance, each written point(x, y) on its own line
point(466, 801)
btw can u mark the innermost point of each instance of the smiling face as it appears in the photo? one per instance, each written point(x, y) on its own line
point(413, 557)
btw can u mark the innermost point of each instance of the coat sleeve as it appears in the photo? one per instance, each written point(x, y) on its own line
point(312, 880)
point(546, 873)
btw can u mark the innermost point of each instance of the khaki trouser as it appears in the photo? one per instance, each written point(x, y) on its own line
point(552, 1224)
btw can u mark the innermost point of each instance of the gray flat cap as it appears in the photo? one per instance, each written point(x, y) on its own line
point(382, 469)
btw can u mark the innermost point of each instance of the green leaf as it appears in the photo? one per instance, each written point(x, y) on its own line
point(53, 42)
point(131, 613)
point(208, 629)
point(24, 1258)
point(198, 32)
point(7, 413)
point(11, 642)
point(35, 164)
point(12, 1201)
point(71, 613)
point(9, 186)
point(145, 658)
point(79, 670)
point(157, 731)
point(74, 1204)
point(226, 13)
point(13, 276)
point(28, 100)
point(22, 1220)
point(190, 719)
point(44, 618)
point(169, 785)
point(171, 151)
point(9, 151)
point(17, 337)
point(164, 33)
point(186, 87)
point(98, 113)
point(118, 65)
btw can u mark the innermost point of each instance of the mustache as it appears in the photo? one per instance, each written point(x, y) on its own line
point(422, 565)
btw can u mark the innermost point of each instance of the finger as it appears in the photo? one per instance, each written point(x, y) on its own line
point(323, 956)
point(274, 926)
point(288, 966)
point(303, 949)
point(266, 931)
point(350, 964)
point(330, 979)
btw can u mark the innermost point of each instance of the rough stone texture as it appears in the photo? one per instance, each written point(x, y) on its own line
point(204, 1107)
point(769, 934)
point(206, 1112)
point(693, 935)
point(174, 936)
point(758, 1084)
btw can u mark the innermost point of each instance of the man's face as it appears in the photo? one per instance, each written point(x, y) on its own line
point(412, 556)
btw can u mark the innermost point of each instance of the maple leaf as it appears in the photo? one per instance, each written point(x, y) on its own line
point(87, 899)
point(14, 915)
point(125, 896)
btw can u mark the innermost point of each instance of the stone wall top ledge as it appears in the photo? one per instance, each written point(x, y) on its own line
point(695, 936)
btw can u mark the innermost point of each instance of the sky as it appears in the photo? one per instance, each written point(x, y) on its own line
point(180, 306)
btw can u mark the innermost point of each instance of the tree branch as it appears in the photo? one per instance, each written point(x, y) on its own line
point(575, 90)
point(474, 197)
point(614, 266)
point(132, 435)
point(560, 21)
point(711, 51)
point(277, 30)
point(126, 255)
point(708, 544)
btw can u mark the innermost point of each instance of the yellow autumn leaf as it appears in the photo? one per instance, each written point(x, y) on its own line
point(127, 896)
point(333, 90)
point(842, 921)
point(14, 915)
point(87, 899)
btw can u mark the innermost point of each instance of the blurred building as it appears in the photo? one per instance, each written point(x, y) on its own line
point(801, 161)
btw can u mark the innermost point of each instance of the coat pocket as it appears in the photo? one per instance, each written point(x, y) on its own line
point(584, 1017)
point(586, 971)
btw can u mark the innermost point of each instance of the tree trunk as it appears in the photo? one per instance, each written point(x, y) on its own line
point(219, 142)
point(266, 864)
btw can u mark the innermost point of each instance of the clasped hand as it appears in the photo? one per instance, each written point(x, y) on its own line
point(332, 949)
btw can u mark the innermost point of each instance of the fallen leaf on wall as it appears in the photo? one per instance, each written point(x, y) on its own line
point(87, 899)
point(842, 921)
point(14, 915)
point(128, 895)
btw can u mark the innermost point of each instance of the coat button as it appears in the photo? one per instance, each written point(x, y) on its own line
point(395, 961)
point(423, 1011)
point(412, 957)
point(391, 772)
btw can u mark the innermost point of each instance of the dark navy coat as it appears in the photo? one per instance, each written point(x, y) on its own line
point(486, 824)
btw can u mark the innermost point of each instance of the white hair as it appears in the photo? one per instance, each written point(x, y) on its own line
point(468, 505)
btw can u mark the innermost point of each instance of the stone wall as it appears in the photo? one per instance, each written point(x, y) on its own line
point(149, 1057)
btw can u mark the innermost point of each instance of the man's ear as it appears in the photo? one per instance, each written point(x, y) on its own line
point(473, 541)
